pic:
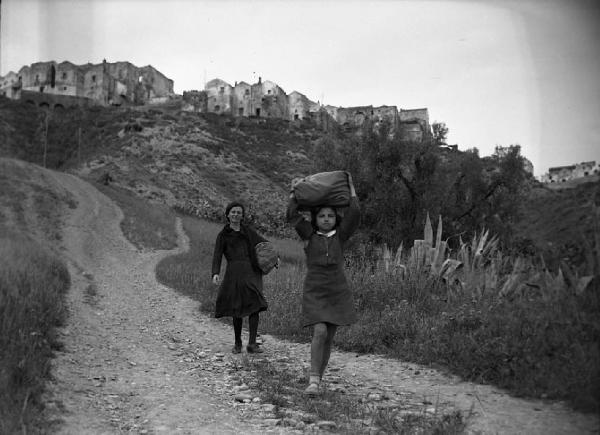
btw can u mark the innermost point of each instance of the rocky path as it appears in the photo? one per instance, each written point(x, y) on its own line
point(140, 358)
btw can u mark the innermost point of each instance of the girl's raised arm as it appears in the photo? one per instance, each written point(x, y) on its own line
point(303, 227)
point(352, 217)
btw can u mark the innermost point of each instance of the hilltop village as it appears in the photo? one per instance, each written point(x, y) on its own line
point(58, 85)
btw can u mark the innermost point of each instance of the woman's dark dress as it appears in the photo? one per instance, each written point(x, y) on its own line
point(241, 291)
point(327, 296)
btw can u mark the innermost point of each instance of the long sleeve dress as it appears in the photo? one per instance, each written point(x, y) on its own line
point(327, 296)
point(241, 290)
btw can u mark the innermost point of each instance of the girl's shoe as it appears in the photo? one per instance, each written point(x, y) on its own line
point(312, 390)
point(237, 348)
point(254, 348)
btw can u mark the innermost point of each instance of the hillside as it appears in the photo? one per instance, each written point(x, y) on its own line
point(193, 162)
point(560, 222)
point(198, 162)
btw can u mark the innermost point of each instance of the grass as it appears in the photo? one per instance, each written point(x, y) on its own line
point(146, 226)
point(541, 343)
point(33, 283)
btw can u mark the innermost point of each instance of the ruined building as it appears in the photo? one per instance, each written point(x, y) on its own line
point(561, 174)
point(66, 84)
point(266, 99)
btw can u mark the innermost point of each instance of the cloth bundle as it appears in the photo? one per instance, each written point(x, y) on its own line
point(324, 188)
point(266, 256)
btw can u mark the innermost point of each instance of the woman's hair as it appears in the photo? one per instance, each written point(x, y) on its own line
point(315, 211)
point(234, 204)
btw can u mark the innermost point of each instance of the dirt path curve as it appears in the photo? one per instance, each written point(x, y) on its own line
point(125, 366)
point(140, 358)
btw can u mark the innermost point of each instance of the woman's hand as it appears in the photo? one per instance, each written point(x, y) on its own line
point(295, 182)
point(351, 185)
point(216, 279)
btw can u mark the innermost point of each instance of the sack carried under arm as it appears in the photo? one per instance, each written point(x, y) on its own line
point(324, 188)
point(266, 256)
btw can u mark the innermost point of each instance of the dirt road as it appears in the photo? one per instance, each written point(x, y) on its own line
point(141, 358)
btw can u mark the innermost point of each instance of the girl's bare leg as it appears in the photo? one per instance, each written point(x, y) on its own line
point(317, 351)
point(327, 348)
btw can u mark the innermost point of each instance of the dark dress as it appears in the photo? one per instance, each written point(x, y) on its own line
point(327, 296)
point(241, 290)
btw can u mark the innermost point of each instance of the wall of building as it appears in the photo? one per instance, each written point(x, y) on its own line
point(298, 106)
point(107, 83)
point(242, 100)
point(354, 116)
point(414, 114)
point(54, 101)
point(155, 83)
point(9, 85)
point(219, 95)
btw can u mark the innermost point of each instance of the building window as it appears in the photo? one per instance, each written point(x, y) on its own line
point(64, 75)
point(64, 88)
point(222, 89)
point(94, 79)
point(269, 91)
point(247, 92)
point(217, 108)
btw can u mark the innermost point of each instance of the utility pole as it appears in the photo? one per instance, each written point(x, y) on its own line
point(46, 136)
point(79, 146)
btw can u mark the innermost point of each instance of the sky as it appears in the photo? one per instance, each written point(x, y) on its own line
point(497, 72)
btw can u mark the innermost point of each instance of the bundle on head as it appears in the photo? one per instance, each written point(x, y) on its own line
point(323, 189)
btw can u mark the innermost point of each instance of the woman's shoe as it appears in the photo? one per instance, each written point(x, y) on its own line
point(312, 390)
point(237, 348)
point(254, 348)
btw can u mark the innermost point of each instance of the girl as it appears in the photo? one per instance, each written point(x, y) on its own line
point(327, 300)
point(241, 291)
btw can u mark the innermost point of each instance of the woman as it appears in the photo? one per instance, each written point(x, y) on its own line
point(327, 299)
point(241, 290)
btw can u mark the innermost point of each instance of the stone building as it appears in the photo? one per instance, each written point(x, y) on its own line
point(299, 106)
point(219, 94)
point(268, 100)
point(103, 84)
point(242, 99)
point(414, 124)
point(561, 174)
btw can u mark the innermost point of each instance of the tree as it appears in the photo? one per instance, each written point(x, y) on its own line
point(400, 182)
point(440, 133)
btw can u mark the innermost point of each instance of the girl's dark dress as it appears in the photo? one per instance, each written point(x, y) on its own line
point(327, 296)
point(240, 293)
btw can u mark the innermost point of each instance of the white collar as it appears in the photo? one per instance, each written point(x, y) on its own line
point(328, 234)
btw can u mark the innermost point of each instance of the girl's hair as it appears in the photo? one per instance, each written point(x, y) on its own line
point(315, 211)
point(234, 204)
